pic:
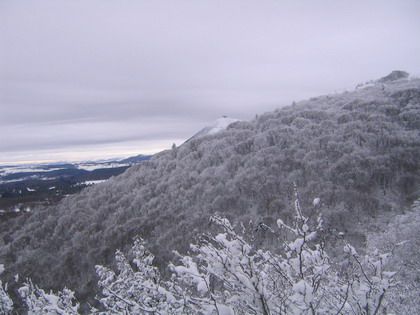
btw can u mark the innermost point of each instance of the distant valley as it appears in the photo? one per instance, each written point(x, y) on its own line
point(23, 187)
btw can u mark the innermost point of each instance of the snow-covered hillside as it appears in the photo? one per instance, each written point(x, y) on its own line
point(358, 152)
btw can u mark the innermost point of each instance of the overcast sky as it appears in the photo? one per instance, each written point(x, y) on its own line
point(99, 78)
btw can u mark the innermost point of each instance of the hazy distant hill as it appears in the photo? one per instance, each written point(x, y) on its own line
point(358, 151)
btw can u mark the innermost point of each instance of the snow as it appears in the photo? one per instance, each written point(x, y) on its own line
point(221, 124)
point(95, 166)
point(94, 182)
point(350, 250)
point(190, 269)
point(389, 274)
point(216, 127)
point(316, 201)
point(30, 189)
point(280, 223)
point(296, 245)
point(26, 169)
point(225, 310)
point(90, 182)
point(366, 85)
point(13, 180)
point(402, 242)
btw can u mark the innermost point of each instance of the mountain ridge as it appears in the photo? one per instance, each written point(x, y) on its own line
point(358, 152)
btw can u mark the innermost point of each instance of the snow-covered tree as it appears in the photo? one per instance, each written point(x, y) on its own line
point(231, 276)
point(6, 303)
point(318, 285)
point(401, 236)
point(138, 290)
point(39, 302)
point(227, 274)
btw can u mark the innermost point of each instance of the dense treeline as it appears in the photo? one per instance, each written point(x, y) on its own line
point(358, 151)
point(227, 275)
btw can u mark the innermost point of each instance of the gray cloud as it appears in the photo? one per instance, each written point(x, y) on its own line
point(115, 77)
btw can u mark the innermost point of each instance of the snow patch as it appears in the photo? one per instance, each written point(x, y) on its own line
point(90, 182)
point(95, 166)
point(26, 169)
point(216, 127)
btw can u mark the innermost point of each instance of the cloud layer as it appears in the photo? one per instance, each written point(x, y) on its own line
point(85, 79)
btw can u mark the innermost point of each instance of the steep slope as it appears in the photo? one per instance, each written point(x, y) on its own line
point(359, 152)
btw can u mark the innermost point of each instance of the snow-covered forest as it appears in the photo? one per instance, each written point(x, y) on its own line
point(226, 274)
point(348, 243)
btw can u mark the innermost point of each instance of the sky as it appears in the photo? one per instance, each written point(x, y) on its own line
point(95, 79)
